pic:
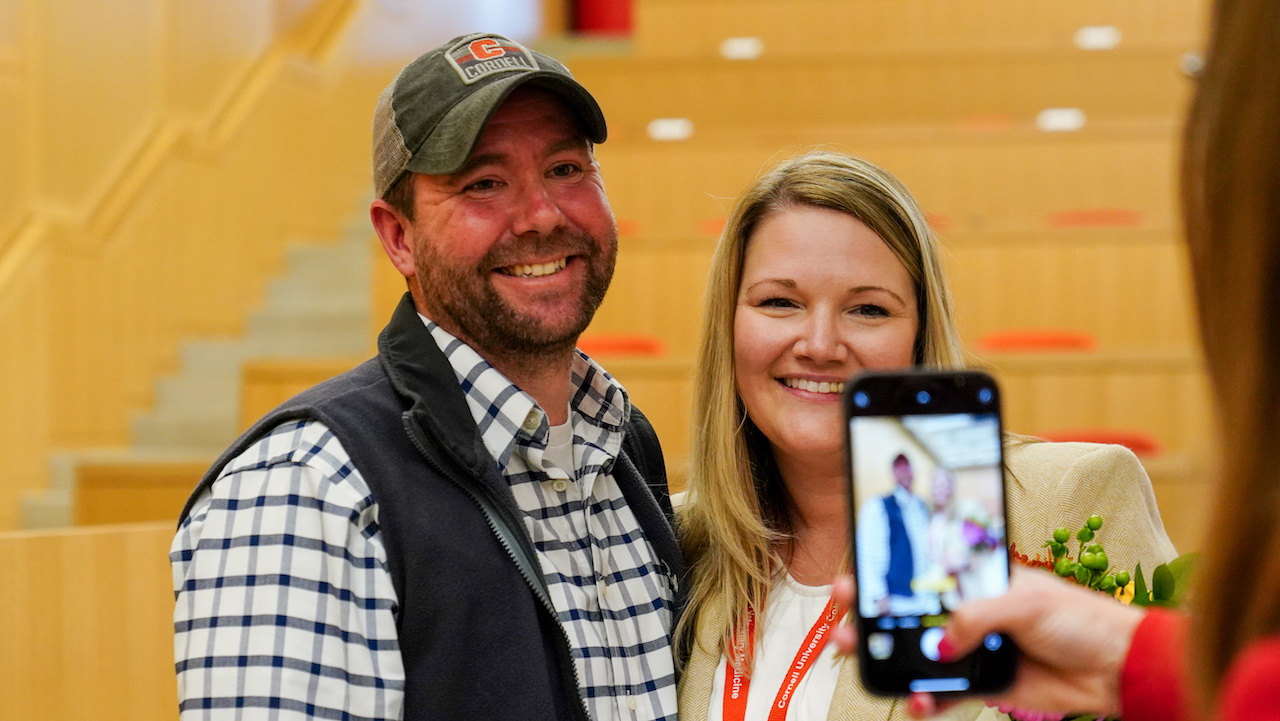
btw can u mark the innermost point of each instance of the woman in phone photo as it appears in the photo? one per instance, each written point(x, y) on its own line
point(826, 268)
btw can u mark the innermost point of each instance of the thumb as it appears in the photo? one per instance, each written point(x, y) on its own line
point(968, 626)
point(973, 621)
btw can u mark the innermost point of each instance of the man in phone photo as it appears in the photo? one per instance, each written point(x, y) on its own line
point(893, 538)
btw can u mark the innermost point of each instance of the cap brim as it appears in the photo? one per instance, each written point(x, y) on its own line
point(450, 144)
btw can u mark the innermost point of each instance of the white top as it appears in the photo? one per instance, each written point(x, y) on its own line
point(559, 451)
point(790, 613)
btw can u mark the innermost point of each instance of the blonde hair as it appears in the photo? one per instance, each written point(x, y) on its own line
point(1230, 187)
point(735, 514)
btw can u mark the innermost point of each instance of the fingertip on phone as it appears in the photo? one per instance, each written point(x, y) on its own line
point(921, 705)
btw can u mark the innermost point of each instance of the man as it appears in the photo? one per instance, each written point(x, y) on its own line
point(892, 550)
point(465, 526)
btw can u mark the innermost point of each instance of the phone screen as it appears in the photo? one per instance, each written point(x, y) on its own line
point(928, 510)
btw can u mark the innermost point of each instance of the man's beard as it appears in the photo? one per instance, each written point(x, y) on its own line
point(466, 298)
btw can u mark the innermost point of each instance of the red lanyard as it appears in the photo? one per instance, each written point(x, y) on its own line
point(736, 685)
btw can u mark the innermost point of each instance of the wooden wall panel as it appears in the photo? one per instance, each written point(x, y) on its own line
point(212, 45)
point(662, 389)
point(657, 290)
point(134, 491)
point(1009, 182)
point(684, 28)
point(265, 384)
point(1165, 394)
point(14, 183)
point(1128, 294)
point(86, 615)
point(25, 422)
point(103, 55)
point(869, 90)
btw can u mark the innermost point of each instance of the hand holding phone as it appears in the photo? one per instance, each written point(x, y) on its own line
point(927, 503)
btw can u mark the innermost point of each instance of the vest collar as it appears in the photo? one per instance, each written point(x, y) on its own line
point(421, 374)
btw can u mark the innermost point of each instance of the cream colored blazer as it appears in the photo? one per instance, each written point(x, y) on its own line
point(1049, 485)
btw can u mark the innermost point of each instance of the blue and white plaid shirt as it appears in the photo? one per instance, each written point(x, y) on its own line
point(285, 604)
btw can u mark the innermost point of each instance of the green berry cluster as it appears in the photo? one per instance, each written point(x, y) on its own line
point(1090, 567)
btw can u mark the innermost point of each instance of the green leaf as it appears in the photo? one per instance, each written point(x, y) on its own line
point(1140, 596)
point(1182, 568)
point(1162, 583)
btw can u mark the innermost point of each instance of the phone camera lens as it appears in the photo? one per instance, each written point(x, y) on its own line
point(959, 381)
point(993, 642)
point(985, 395)
point(861, 400)
point(922, 397)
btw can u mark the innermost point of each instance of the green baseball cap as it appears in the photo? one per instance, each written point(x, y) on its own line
point(429, 118)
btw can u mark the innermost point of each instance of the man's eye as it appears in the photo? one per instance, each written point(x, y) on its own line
point(565, 170)
point(482, 185)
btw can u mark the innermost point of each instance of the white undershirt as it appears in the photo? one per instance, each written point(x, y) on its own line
point(560, 447)
point(790, 613)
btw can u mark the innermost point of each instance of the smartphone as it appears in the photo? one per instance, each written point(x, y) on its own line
point(927, 504)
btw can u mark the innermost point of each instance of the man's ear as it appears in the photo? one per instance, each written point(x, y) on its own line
point(394, 230)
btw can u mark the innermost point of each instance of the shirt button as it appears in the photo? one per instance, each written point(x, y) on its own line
point(560, 485)
point(531, 421)
point(631, 703)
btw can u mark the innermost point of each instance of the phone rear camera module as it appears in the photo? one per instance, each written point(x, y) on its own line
point(923, 397)
point(985, 395)
point(861, 400)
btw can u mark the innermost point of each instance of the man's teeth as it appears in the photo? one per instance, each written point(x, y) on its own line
point(536, 271)
point(814, 386)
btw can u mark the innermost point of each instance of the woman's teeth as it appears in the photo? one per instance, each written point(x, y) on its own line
point(814, 386)
point(536, 271)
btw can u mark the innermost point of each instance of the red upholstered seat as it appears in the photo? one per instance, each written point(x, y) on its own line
point(1037, 340)
point(622, 344)
point(1140, 442)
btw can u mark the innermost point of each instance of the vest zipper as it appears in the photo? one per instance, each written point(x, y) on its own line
point(503, 533)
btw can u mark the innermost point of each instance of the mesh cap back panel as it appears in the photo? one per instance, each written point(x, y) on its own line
point(390, 156)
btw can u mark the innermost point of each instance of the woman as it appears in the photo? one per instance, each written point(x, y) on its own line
point(827, 267)
point(1081, 652)
point(962, 540)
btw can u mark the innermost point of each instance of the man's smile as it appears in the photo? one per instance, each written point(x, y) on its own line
point(535, 270)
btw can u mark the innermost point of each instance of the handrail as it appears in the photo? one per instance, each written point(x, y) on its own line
point(311, 39)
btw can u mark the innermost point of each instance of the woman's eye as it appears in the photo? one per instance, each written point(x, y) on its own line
point(776, 303)
point(871, 311)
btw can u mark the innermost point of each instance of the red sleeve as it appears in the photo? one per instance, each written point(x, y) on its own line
point(1155, 684)
point(1251, 690)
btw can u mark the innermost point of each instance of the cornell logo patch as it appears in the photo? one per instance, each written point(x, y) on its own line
point(480, 57)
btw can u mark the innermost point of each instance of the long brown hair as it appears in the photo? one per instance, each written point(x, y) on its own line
point(1231, 200)
point(735, 516)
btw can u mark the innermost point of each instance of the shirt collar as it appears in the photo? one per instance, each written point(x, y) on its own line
point(505, 415)
point(901, 494)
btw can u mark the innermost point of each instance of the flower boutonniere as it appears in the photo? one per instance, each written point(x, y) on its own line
point(1091, 567)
